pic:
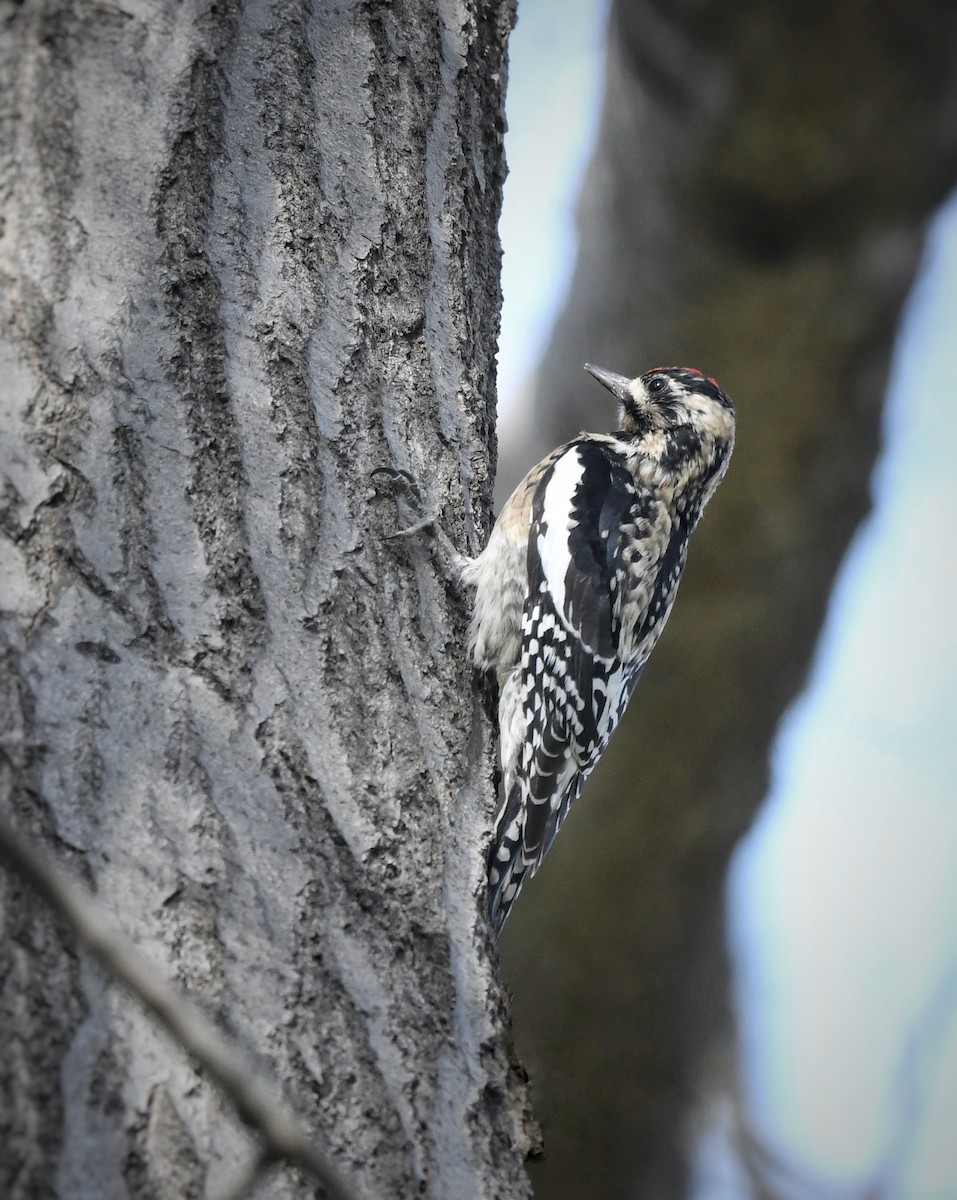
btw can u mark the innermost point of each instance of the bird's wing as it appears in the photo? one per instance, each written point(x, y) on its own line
point(572, 622)
point(572, 677)
point(581, 508)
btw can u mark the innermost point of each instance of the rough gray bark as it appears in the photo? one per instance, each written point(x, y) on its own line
point(249, 255)
point(756, 207)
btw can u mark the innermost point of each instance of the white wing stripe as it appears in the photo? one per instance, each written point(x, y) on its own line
point(552, 543)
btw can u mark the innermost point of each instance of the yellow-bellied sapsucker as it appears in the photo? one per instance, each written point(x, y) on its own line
point(573, 590)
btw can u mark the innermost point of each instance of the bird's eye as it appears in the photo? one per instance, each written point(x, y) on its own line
point(658, 384)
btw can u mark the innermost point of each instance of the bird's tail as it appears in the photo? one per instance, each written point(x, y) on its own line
point(518, 847)
point(507, 866)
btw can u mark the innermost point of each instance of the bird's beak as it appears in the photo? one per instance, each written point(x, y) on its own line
point(616, 384)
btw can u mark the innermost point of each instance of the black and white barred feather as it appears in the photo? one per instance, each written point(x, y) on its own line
point(574, 588)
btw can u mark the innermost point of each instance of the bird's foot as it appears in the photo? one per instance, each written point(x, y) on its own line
point(418, 518)
point(408, 499)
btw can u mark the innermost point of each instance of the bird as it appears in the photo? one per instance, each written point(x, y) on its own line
point(573, 589)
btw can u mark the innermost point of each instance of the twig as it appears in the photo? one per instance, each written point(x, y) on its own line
point(247, 1178)
point(259, 1107)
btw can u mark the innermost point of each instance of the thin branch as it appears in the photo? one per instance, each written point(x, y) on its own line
point(257, 1104)
point(248, 1177)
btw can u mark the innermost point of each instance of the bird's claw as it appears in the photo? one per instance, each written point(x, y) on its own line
point(395, 474)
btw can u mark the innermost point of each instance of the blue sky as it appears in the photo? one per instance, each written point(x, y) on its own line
point(843, 901)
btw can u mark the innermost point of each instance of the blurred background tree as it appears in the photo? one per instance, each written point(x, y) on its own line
point(756, 205)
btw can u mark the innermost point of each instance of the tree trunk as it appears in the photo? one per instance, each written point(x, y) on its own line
point(250, 255)
point(755, 207)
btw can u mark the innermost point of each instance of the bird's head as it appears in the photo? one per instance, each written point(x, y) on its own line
point(691, 415)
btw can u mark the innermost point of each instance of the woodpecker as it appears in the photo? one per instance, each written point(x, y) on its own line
point(572, 592)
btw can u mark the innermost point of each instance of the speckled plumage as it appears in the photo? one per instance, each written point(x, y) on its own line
point(574, 588)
